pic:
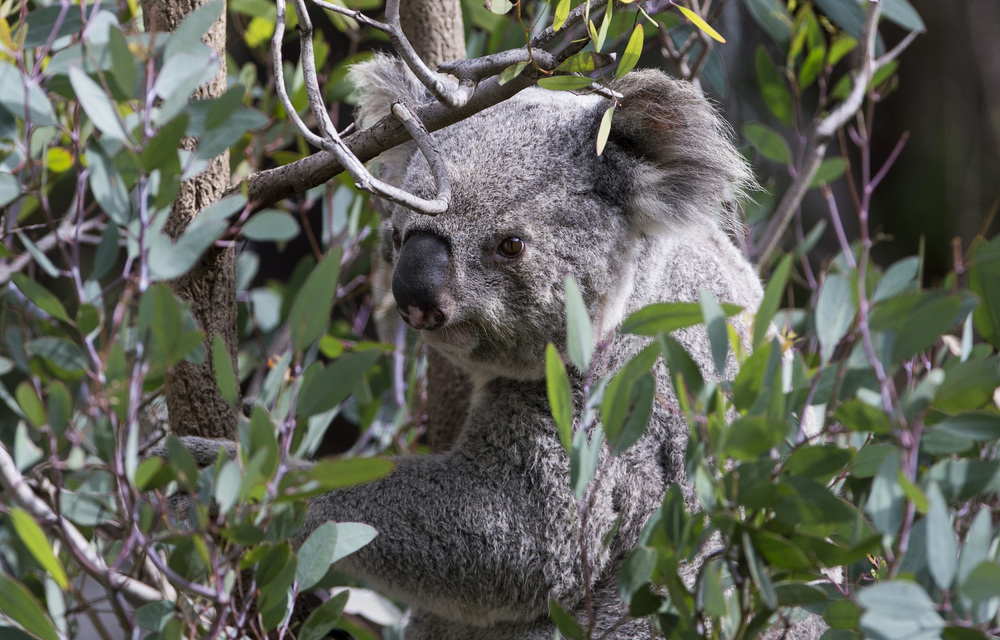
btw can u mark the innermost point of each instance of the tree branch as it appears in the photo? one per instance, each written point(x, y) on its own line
point(824, 129)
point(137, 592)
point(264, 188)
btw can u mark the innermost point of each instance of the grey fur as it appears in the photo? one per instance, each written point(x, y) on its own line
point(478, 539)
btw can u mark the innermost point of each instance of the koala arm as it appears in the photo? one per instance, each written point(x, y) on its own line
point(484, 534)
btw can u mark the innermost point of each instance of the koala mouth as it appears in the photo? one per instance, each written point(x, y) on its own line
point(456, 339)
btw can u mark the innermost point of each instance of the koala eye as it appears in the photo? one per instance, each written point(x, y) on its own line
point(511, 247)
point(397, 238)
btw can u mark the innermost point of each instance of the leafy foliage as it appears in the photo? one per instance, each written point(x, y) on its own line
point(849, 471)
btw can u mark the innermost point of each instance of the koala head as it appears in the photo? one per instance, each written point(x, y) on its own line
point(533, 203)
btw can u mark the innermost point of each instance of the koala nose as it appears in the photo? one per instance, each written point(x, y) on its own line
point(419, 282)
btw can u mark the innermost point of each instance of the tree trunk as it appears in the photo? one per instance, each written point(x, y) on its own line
point(194, 403)
point(434, 28)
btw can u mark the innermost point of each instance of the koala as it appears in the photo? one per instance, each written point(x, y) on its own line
point(476, 540)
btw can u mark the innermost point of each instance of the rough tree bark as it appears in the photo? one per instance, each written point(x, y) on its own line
point(434, 28)
point(194, 403)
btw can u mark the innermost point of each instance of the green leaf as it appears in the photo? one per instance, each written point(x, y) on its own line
point(19, 605)
point(108, 186)
point(976, 547)
point(983, 582)
point(347, 472)
point(773, 18)
point(182, 462)
point(626, 407)
point(811, 67)
point(605, 129)
point(718, 336)
point(10, 189)
point(512, 72)
point(751, 436)
point(189, 32)
point(324, 618)
point(899, 278)
point(560, 14)
point(899, 610)
point(699, 22)
point(225, 377)
point(560, 395)
point(30, 404)
point(271, 226)
point(962, 479)
point(665, 317)
point(942, 547)
point(968, 385)
point(13, 87)
point(758, 573)
point(847, 15)
point(499, 7)
point(984, 281)
point(773, 294)
point(585, 453)
point(862, 417)
point(310, 313)
point(630, 57)
point(636, 571)
point(579, 333)
point(834, 313)
point(227, 486)
point(820, 462)
point(938, 312)
point(565, 83)
point(684, 370)
point(40, 296)
point(155, 615)
point(902, 13)
point(773, 87)
point(122, 62)
point(169, 258)
point(97, 105)
point(326, 545)
point(326, 388)
point(886, 501)
point(768, 141)
point(564, 621)
point(829, 170)
point(36, 542)
point(161, 152)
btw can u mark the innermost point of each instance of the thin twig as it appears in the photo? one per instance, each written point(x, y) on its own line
point(329, 140)
point(137, 592)
point(825, 128)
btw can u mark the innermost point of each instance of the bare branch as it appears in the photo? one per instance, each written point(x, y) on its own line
point(426, 145)
point(822, 132)
point(137, 592)
point(329, 140)
point(264, 188)
point(444, 91)
point(66, 231)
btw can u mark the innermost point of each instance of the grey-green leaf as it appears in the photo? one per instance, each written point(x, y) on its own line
point(834, 313)
point(97, 105)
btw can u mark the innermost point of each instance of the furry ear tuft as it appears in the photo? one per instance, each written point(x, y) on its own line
point(379, 82)
point(692, 172)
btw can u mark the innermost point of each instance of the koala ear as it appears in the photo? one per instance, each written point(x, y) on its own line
point(690, 170)
point(379, 82)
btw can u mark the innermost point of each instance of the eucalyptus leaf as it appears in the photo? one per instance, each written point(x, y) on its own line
point(97, 104)
point(560, 396)
point(323, 618)
point(23, 97)
point(21, 606)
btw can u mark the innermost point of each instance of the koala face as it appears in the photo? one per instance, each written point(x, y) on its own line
point(532, 204)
